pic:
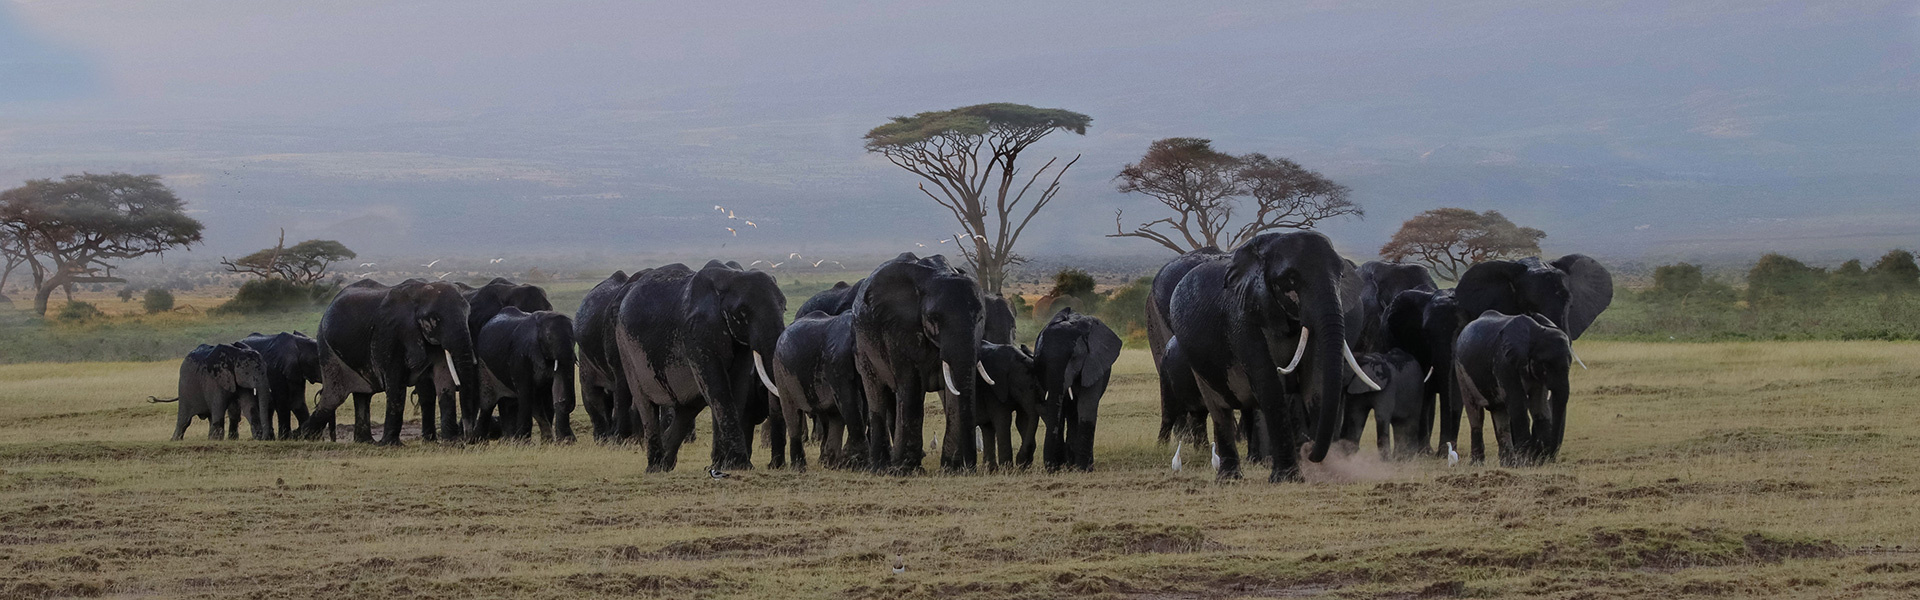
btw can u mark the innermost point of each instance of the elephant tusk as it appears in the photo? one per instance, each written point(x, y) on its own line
point(1429, 376)
point(946, 372)
point(451, 370)
point(983, 373)
point(1347, 351)
point(1298, 352)
point(760, 368)
point(1576, 357)
point(556, 366)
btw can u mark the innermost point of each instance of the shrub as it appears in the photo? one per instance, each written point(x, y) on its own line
point(1072, 282)
point(1675, 282)
point(1126, 308)
point(1778, 278)
point(157, 300)
point(262, 295)
point(1895, 272)
point(77, 311)
point(126, 294)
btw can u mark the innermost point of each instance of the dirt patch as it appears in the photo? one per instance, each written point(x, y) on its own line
point(751, 545)
point(1129, 538)
point(626, 584)
point(1480, 480)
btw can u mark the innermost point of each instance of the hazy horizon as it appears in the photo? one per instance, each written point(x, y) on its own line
point(1636, 130)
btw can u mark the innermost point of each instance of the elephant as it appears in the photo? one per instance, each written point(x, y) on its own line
point(486, 301)
point(1569, 292)
point(1183, 414)
point(603, 385)
point(1245, 324)
point(1012, 401)
point(1517, 368)
point(375, 337)
point(1380, 283)
point(692, 339)
point(997, 313)
point(1423, 323)
point(528, 357)
point(1396, 407)
point(218, 383)
point(813, 365)
point(1074, 357)
point(917, 322)
point(292, 361)
point(834, 300)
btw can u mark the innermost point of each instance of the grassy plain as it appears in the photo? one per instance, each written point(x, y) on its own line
point(1691, 470)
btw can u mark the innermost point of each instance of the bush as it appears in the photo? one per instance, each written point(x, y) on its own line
point(1778, 279)
point(157, 300)
point(1125, 309)
point(1895, 272)
point(126, 294)
point(1072, 282)
point(77, 311)
point(263, 295)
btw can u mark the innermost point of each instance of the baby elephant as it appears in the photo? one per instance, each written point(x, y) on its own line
point(1395, 408)
point(1012, 400)
point(1515, 367)
point(813, 366)
point(1074, 357)
point(218, 383)
point(527, 357)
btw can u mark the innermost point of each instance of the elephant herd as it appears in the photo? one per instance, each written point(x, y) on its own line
point(1280, 343)
point(647, 352)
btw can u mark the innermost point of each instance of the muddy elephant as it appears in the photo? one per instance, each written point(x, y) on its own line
point(917, 327)
point(1182, 415)
point(1515, 367)
point(220, 383)
point(528, 357)
point(378, 338)
point(292, 361)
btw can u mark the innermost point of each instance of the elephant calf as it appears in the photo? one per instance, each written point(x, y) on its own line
point(813, 366)
point(1074, 357)
point(292, 361)
point(218, 383)
point(1516, 367)
point(1396, 406)
point(527, 357)
point(1011, 397)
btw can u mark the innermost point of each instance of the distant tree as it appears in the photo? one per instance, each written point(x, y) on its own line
point(1895, 272)
point(126, 293)
point(1072, 282)
point(1676, 282)
point(157, 301)
point(75, 312)
point(305, 263)
point(1778, 278)
point(1448, 240)
point(1204, 187)
point(70, 228)
point(968, 155)
point(1849, 278)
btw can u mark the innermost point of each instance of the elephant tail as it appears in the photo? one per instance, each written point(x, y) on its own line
point(154, 399)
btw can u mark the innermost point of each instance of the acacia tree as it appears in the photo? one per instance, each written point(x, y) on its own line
point(305, 263)
point(1448, 240)
point(968, 155)
point(70, 228)
point(1205, 187)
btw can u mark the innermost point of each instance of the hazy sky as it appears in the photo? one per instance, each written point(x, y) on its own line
point(1622, 128)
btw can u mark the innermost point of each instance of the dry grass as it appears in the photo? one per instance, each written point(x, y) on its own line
point(1736, 470)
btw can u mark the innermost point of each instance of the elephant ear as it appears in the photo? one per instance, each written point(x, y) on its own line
point(1100, 347)
point(1352, 288)
point(1591, 290)
point(1488, 286)
point(1405, 321)
point(1375, 369)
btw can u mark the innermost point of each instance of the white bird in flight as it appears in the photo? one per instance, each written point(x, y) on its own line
point(431, 264)
point(920, 244)
point(730, 215)
point(364, 275)
point(444, 275)
point(944, 241)
point(816, 264)
point(495, 261)
point(735, 233)
point(755, 262)
point(775, 265)
point(793, 255)
point(717, 207)
point(366, 265)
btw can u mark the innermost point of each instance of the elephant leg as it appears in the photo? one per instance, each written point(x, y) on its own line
point(483, 418)
point(431, 399)
point(624, 417)
point(1503, 436)
point(1452, 399)
point(521, 427)
point(396, 408)
point(1475, 415)
point(1559, 433)
point(1054, 452)
point(1383, 435)
point(595, 398)
point(1225, 432)
point(776, 424)
point(1519, 434)
point(182, 421)
point(1086, 418)
point(683, 419)
point(298, 404)
point(879, 426)
point(235, 410)
point(1355, 424)
point(1028, 421)
point(217, 417)
point(796, 444)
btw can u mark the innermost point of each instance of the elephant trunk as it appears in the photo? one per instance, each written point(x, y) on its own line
point(1322, 312)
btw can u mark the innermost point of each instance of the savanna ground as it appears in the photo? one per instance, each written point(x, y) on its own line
point(1733, 470)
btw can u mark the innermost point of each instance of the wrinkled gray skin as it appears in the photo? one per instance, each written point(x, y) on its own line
point(603, 385)
point(1516, 368)
point(917, 324)
point(1013, 400)
point(1183, 415)
point(1380, 283)
point(1074, 358)
point(378, 338)
point(1568, 293)
point(814, 368)
point(528, 357)
point(687, 341)
point(997, 314)
point(221, 383)
point(1423, 324)
point(292, 361)
point(1395, 408)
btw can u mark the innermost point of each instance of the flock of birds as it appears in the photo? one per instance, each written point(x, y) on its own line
point(429, 265)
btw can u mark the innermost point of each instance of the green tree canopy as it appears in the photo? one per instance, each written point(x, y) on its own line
point(1449, 240)
point(1895, 272)
point(1205, 188)
point(70, 230)
point(1779, 278)
point(968, 156)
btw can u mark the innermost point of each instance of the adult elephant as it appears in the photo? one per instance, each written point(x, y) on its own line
point(1074, 357)
point(1273, 314)
point(691, 339)
point(292, 361)
point(997, 314)
point(1515, 367)
point(1178, 413)
point(917, 327)
point(1380, 283)
point(528, 357)
point(219, 383)
point(834, 300)
point(813, 365)
point(603, 385)
point(1423, 324)
point(375, 337)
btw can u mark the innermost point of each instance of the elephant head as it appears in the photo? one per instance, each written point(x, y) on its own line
point(998, 315)
point(1540, 356)
point(1014, 378)
point(1296, 286)
point(1380, 283)
point(1076, 351)
point(236, 366)
point(430, 319)
point(746, 307)
point(486, 301)
point(1569, 292)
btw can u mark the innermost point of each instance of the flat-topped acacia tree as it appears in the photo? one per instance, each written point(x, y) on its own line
point(68, 229)
point(968, 155)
